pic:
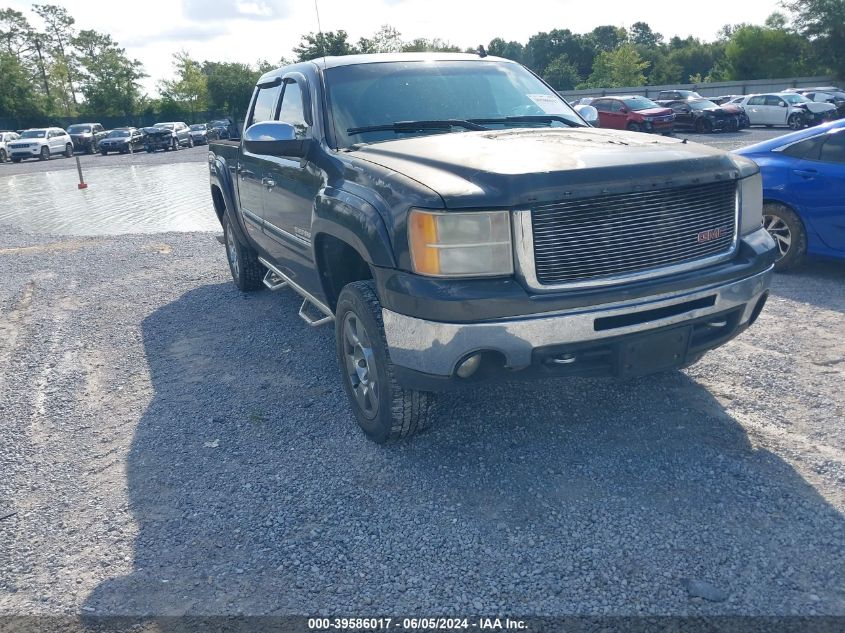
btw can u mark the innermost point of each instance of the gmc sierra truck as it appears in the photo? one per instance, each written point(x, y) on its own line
point(458, 222)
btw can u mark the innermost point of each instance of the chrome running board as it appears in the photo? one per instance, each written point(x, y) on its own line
point(275, 279)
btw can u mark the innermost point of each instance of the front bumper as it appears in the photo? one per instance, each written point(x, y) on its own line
point(427, 353)
point(25, 152)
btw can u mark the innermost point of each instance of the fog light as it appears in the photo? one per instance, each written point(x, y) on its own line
point(469, 366)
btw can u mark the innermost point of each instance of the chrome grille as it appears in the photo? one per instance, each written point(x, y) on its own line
point(626, 234)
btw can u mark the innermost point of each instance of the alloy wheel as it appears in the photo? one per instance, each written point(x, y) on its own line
point(360, 365)
point(232, 253)
point(779, 231)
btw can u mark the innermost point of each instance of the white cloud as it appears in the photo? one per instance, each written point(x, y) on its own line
point(202, 10)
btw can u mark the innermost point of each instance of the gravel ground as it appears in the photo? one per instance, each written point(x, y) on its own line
point(171, 445)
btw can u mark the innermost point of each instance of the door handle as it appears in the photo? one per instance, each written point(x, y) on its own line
point(807, 174)
point(268, 182)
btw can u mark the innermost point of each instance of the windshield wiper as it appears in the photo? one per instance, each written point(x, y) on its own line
point(530, 118)
point(414, 126)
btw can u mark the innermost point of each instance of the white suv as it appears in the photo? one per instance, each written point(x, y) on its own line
point(40, 143)
point(5, 137)
point(785, 108)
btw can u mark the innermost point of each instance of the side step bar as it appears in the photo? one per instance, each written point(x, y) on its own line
point(275, 279)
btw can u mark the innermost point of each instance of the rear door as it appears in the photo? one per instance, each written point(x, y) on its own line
point(252, 167)
point(291, 189)
point(818, 186)
point(56, 140)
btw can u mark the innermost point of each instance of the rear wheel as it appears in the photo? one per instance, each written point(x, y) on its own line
point(2, 155)
point(786, 228)
point(384, 409)
point(103, 152)
point(45, 153)
point(190, 141)
point(795, 121)
point(247, 271)
point(68, 151)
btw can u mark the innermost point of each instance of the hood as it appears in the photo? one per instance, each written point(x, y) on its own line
point(506, 168)
point(817, 107)
point(158, 131)
point(732, 108)
point(655, 112)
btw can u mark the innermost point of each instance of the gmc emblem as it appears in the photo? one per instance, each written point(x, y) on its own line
point(709, 235)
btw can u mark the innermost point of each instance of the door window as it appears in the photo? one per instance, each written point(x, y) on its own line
point(292, 111)
point(265, 104)
point(833, 151)
point(602, 105)
point(757, 101)
point(615, 106)
point(772, 100)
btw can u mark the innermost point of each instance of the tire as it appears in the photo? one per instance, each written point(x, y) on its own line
point(703, 126)
point(16, 160)
point(104, 152)
point(89, 149)
point(175, 144)
point(795, 121)
point(190, 141)
point(634, 127)
point(385, 410)
point(149, 149)
point(3, 156)
point(784, 225)
point(247, 272)
point(68, 151)
point(45, 153)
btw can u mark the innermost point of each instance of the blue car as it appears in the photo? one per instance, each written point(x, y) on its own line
point(804, 191)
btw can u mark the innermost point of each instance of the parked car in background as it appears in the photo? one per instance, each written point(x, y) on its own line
point(86, 137)
point(5, 137)
point(804, 191)
point(726, 98)
point(785, 108)
point(223, 129)
point(167, 136)
point(123, 140)
point(703, 116)
point(742, 116)
point(41, 143)
point(836, 98)
point(199, 133)
point(635, 113)
point(677, 95)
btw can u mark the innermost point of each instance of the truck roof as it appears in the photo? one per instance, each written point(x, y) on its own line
point(376, 58)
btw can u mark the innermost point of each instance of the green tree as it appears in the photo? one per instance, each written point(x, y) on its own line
point(230, 86)
point(57, 38)
point(189, 90)
point(17, 96)
point(618, 68)
point(607, 38)
point(641, 35)
point(508, 50)
point(561, 74)
point(543, 48)
point(386, 40)
point(757, 52)
point(108, 78)
point(330, 43)
point(823, 23)
point(423, 45)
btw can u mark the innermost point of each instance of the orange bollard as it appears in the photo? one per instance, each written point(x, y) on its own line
point(82, 184)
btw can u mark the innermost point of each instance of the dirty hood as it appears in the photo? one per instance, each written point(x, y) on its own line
point(507, 168)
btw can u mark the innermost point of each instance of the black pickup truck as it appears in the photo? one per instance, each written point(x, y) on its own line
point(458, 222)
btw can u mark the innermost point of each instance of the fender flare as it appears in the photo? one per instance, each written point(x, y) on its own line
point(222, 179)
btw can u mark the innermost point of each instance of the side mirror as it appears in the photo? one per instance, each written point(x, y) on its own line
point(275, 138)
point(782, 104)
point(623, 110)
point(589, 114)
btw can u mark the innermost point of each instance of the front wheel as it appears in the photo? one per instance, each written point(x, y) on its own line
point(45, 153)
point(384, 409)
point(2, 155)
point(795, 121)
point(68, 151)
point(190, 141)
point(103, 152)
point(703, 126)
point(786, 228)
point(247, 271)
point(634, 127)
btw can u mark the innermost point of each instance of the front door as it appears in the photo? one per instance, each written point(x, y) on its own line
point(776, 110)
point(291, 188)
point(819, 187)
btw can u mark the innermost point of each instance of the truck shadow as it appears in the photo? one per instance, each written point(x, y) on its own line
point(817, 282)
point(254, 492)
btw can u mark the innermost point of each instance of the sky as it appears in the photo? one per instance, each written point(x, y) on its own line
point(249, 30)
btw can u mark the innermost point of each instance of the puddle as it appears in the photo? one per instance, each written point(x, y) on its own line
point(126, 199)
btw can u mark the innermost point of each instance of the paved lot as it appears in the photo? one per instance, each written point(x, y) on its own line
point(171, 445)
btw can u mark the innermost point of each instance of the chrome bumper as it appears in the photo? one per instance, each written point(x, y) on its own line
point(436, 348)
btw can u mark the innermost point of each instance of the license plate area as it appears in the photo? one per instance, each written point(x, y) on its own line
point(651, 353)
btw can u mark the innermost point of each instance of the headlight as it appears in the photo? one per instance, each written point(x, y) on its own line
point(751, 198)
point(460, 244)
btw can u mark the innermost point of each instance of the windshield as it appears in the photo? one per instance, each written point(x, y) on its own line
point(381, 94)
point(704, 104)
point(165, 126)
point(639, 103)
point(794, 98)
point(78, 129)
point(118, 133)
point(198, 126)
point(34, 134)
